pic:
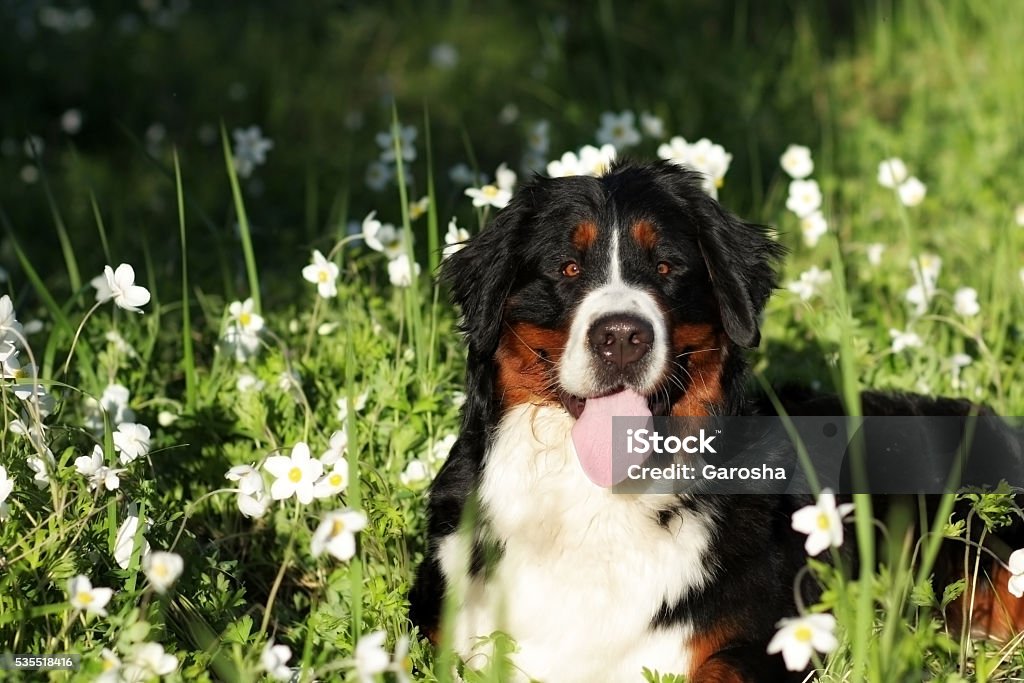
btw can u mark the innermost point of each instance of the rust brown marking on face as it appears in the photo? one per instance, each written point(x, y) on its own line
point(584, 235)
point(704, 346)
point(645, 235)
point(997, 615)
point(526, 359)
point(703, 647)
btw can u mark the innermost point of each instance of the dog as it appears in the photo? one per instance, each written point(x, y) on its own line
point(634, 293)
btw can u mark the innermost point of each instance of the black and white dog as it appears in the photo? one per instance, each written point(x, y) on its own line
point(631, 294)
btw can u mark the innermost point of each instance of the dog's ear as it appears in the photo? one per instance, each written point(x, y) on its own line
point(482, 274)
point(740, 259)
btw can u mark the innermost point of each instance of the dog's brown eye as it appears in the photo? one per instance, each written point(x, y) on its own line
point(664, 268)
point(571, 269)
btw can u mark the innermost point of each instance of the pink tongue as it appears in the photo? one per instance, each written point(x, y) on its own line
point(592, 436)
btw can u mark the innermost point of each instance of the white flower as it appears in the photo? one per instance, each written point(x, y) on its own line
point(6, 487)
point(249, 479)
point(249, 382)
point(912, 191)
point(454, 239)
point(242, 314)
point(244, 326)
point(652, 126)
point(618, 130)
point(333, 482)
point(371, 659)
point(250, 149)
point(813, 226)
point(10, 329)
point(713, 161)
point(162, 569)
point(505, 178)
point(926, 272)
point(323, 274)
point(419, 208)
point(1018, 215)
point(114, 402)
point(42, 466)
point(131, 440)
point(9, 363)
point(442, 448)
point(371, 228)
point(461, 174)
point(596, 161)
point(26, 385)
point(799, 637)
point(239, 343)
point(358, 403)
point(92, 468)
point(904, 339)
point(253, 506)
point(1016, 567)
point(415, 474)
point(124, 542)
point(822, 522)
point(811, 282)
point(874, 252)
point(444, 56)
point(677, 150)
point(149, 660)
point(797, 162)
point(965, 302)
point(274, 661)
point(122, 288)
point(892, 172)
point(110, 668)
point(99, 283)
point(401, 665)
point(804, 197)
point(489, 195)
point(406, 143)
point(120, 343)
point(590, 161)
point(336, 447)
point(378, 175)
point(83, 597)
point(957, 362)
point(401, 273)
point(296, 474)
point(336, 534)
point(537, 138)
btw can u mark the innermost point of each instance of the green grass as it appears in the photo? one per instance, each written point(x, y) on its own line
point(935, 83)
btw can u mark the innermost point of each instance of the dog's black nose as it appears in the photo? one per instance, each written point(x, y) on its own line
point(621, 339)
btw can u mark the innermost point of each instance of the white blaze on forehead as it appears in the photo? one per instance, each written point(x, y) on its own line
point(577, 372)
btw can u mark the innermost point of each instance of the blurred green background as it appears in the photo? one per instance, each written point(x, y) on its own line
point(320, 79)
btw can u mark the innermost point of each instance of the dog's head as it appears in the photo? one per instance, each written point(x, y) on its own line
point(583, 287)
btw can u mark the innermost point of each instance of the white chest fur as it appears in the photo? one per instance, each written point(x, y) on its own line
point(583, 570)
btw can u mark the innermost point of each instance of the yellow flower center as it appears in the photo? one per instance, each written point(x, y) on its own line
point(335, 479)
point(322, 276)
point(295, 475)
point(160, 571)
point(245, 319)
point(338, 527)
point(823, 521)
point(489, 191)
point(802, 634)
point(84, 597)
